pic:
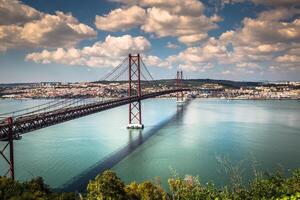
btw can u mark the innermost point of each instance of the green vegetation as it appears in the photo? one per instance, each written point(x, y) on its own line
point(34, 189)
point(107, 186)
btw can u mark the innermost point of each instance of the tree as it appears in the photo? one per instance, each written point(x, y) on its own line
point(132, 191)
point(149, 191)
point(34, 189)
point(105, 187)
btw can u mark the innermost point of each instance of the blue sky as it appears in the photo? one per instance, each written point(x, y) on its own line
point(57, 40)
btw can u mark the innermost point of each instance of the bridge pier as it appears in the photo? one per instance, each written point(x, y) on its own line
point(134, 76)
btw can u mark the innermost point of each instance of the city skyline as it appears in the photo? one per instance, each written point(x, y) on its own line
point(69, 41)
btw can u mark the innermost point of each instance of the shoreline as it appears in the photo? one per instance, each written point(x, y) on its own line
point(220, 98)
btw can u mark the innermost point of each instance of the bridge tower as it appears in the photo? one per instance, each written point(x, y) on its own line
point(134, 89)
point(10, 144)
point(179, 85)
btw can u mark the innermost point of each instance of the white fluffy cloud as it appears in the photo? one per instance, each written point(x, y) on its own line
point(155, 61)
point(121, 19)
point(265, 38)
point(271, 39)
point(290, 59)
point(200, 58)
point(182, 19)
point(170, 45)
point(189, 7)
point(24, 27)
point(188, 29)
point(101, 54)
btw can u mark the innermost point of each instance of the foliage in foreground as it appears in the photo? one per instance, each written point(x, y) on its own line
point(108, 186)
point(34, 189)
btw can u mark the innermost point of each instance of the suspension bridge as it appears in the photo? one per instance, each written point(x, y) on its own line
point(17, 123)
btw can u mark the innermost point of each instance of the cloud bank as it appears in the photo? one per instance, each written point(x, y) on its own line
point(22, 26)
point(108, 53)
point(184, 20)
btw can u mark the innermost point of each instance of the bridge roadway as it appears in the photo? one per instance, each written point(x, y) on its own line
point(34, 122)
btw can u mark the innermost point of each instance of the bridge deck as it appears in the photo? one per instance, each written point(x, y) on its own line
point(33, 122)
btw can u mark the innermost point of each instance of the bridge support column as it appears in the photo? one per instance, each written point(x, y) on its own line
point(134, 89)
point(10, 143)
point(179, 95)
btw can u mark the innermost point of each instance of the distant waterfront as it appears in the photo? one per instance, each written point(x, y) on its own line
point(190, 143)
point(200, 88)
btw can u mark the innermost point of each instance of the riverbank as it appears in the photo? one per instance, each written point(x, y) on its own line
point(159, 97)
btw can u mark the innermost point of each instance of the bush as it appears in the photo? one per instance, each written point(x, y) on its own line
point(108, 186)
point(32, 190)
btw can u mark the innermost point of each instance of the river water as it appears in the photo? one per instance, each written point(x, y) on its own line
point(190, 140)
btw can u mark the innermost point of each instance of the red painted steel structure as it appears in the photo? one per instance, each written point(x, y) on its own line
point(38, 121)
point(134, 88)
point(10, 144)
point(179, 84)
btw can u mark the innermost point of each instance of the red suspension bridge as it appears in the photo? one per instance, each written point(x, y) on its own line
point(58, 111)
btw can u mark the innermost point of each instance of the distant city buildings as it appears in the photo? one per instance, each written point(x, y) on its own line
point(282, 90)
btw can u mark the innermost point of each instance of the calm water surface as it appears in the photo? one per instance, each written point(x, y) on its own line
point(188, 140)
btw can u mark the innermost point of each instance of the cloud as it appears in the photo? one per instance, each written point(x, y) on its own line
point(170, 45)
point(15, 12)
point(155, 61)
point(278, 2)
point(269, 31)
point(179, 7)
point(278, 14)
point(192, 39)
point(188, 29)
point(190, 7)
point(247, 65)
point(101, 54)
point(36, 29)
point(182, 19)
point(267, 43)
point(233, 1)
point(268, 36)
point(226, 72)
point(200, 58)
point(288, 59)
point(121, 19)
point(275, 3)
point(271, 39)
point(265, 39)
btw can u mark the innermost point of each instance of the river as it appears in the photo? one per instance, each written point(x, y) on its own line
point(190, 140)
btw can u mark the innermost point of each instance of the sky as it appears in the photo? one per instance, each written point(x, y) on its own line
point(70, 41)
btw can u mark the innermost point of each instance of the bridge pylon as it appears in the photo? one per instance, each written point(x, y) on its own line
point(134, 89)
point(179, 85)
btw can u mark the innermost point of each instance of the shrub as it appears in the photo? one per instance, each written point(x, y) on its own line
point(107, 186)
